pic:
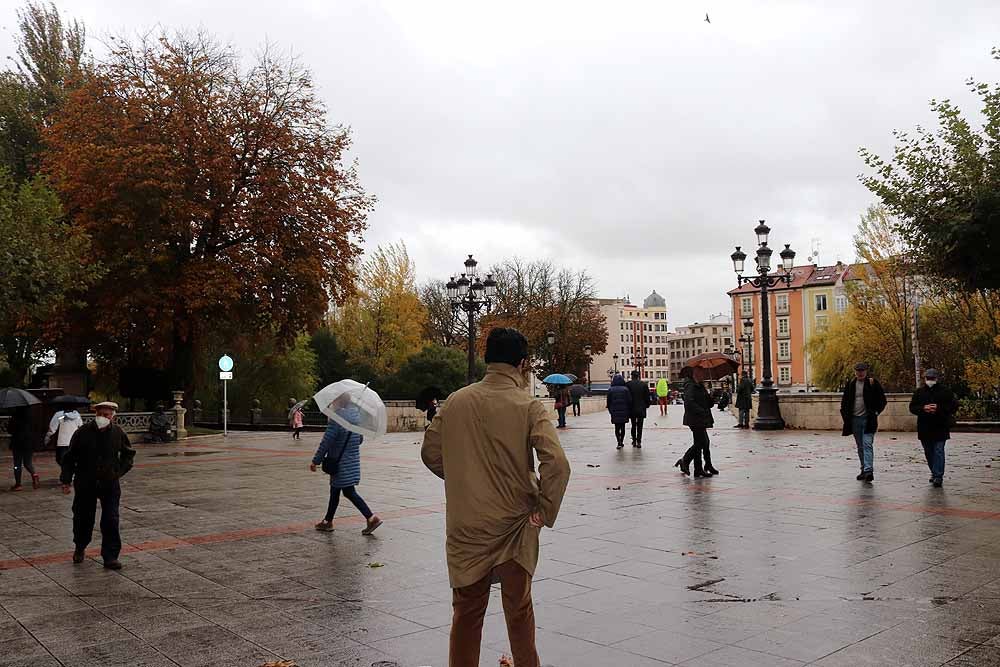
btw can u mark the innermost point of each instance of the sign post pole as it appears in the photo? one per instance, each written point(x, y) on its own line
point(225, 374)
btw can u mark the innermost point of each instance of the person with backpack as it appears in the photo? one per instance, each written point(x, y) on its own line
point(339, 455)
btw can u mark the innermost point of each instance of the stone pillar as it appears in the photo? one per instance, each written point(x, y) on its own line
point(256, 414)
point(179, 411)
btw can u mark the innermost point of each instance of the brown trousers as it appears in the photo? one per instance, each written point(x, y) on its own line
point(470, 604)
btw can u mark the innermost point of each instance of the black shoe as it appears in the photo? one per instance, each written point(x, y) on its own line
point(621, 445)
point(112, 564)
point(711, 470)
point(930, 481)
point(683, 466)
point(78, 555)
point(861, 476)
point(938, 483)
point(706, 472)
point(637, 445)
point(700, 473)
point(869, 477)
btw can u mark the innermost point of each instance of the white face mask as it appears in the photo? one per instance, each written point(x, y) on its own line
point(930, 383)
point(102, 422)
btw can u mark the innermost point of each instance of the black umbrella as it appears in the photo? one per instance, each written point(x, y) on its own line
point(12, 397)
point(427, 395)
point(70, 401)
point(578, 391)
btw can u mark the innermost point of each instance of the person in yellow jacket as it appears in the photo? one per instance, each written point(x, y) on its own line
point(662, 391)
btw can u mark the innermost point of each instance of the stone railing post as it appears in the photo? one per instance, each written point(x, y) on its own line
point(179, 411)
point(256, 414)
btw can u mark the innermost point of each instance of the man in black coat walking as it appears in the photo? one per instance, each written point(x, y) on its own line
point(934, 406)
point(640, 403)
point(860, 406)
point(697, 417)
point(99, 455)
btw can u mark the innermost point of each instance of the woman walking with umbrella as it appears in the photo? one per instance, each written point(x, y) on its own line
point(21, 446)
point(697, 417)
point(354, 411)
point(558, 383)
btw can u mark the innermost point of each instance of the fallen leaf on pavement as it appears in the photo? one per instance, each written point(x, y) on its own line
point(374, 565)
point(280, 663)
point(506, 661)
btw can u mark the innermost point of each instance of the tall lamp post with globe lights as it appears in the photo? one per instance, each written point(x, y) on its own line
point(746, 343)
point(768, 411)
point(471, 294)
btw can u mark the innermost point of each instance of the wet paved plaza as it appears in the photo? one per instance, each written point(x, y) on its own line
point(782, 560)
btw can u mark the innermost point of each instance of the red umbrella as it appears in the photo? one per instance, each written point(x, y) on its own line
point(710, 366)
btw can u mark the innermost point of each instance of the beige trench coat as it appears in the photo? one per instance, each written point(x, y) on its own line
point(483, 443)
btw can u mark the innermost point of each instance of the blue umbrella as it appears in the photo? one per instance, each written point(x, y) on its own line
point(557, 378)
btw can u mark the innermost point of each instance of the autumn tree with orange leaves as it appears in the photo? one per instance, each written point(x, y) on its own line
point(217, 196)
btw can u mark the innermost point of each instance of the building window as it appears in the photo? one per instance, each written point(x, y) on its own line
point(820, 302)
point(841, 302)
point(746, 306)
point(783, 326)
point(784, 375)
point(781, 303)
point(784, 350)
point(822, 323)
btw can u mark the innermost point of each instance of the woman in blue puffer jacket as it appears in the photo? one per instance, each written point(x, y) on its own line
point(620, 407)
point(344, 447)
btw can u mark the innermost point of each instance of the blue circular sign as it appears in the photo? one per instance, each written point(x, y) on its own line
point(225, 363)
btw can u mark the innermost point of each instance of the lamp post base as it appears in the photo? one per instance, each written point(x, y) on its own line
point(768, 411)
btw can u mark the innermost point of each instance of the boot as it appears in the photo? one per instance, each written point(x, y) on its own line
point(684, 466)
point(35, 481)
point(710, 469)
point(78, 555)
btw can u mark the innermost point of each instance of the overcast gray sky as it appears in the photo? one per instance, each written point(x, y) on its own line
point(628, 138)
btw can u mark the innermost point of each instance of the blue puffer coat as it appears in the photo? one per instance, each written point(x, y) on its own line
point(619, 401)
point(335, 439)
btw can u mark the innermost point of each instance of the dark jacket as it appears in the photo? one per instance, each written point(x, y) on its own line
point(96, 455)
point(697, 406)
point(744, 394)
point(619, 401)
point(937, 426)
point(20, 429)
point(640, 398)
point(874, 405)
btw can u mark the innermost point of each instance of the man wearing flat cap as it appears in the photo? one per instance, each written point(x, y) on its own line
point(934, 405)
point(99, 455)
point(860, 407)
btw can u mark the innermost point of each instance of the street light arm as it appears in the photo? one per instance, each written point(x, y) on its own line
point(760, 281)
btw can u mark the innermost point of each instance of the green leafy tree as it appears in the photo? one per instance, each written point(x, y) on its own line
point(43, 266)
point(331, 359)
point(435, 366)
point(944, 187)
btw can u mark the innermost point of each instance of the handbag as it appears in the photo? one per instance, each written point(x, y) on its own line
point(330, 466)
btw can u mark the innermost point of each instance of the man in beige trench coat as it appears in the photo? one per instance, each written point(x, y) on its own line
point(483, 443)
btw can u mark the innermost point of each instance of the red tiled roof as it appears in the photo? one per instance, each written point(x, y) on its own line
point(800, 275)
point(827, 275)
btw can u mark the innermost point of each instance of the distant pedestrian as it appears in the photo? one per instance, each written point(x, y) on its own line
point(339, 456)
point(576, 392)
point(697, 417)
point(562, 402)
point(432, 410)
point(662, 395)
point(723, 399)
point(484, 444)
point(297, 424)
point(744, 400)
point(639, 391)
point(62, 426)
point(619, 402)
point(860, 406)
point(934, 405)
point(21, 446)
point(99, 455)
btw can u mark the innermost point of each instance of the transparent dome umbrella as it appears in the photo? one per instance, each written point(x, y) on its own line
point(354, 406)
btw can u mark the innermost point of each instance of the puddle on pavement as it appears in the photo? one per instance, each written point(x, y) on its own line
point(184, 453)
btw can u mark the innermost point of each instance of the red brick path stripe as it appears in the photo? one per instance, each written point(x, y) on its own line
point(214, 538)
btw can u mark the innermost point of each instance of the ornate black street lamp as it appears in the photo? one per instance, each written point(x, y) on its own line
point(612, 372)
point(587, 351)
point(768, 412)
point(746, 340)
point(471, 295)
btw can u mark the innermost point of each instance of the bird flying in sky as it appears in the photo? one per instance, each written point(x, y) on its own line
point(707, 20)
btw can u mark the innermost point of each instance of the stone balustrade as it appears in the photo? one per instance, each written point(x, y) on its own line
point(820, 411)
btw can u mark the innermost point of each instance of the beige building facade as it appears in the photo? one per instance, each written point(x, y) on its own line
point(637, 341)
point(715, 335)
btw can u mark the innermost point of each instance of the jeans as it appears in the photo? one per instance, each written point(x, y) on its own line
point(469, 608)
point(934, 453)
point(620, 432)
point(85, 511)
point(351, 494)
point(698, 449)
point(562, 417)
point(866, 444)
point(637, 429)
point(576, 408)
point(22, 459)
point(744, 417)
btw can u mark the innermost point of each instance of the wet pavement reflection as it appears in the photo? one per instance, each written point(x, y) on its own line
point(783, 559)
